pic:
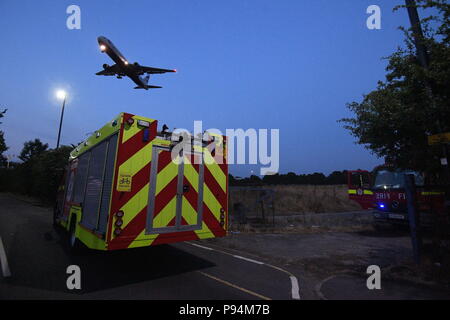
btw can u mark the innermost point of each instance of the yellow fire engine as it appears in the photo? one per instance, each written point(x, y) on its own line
point(123, 187)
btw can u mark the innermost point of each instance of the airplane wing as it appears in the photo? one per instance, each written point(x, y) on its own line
point(109, 71)
point(152, 70)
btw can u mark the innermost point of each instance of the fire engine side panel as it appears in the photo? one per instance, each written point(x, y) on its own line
point(90, 239)
point(106, 136)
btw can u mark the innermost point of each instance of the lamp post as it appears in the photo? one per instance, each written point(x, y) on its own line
point(61, 94)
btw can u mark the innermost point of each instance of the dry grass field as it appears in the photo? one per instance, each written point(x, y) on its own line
point(293, 199)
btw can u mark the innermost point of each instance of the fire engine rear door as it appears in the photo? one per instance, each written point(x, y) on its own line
point(175, 191)
point(192, 192)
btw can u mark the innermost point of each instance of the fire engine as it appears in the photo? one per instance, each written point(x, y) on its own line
point(124, 188)
point(383, 191)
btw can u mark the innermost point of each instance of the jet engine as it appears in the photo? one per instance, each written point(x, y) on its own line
point(105, 66)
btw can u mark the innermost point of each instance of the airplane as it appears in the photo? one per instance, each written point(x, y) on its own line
point(123, 68)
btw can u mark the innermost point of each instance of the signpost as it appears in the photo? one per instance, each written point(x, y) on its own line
point(413, 217)
point(439, 138)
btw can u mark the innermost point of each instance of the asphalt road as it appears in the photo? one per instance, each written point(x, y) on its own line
point(37, 258)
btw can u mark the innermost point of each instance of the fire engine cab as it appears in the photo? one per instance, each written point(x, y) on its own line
point(129, 185)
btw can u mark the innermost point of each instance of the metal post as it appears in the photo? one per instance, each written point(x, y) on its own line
point(422, 53)
point(60, 122)
point(413, 217)
point(423, 57)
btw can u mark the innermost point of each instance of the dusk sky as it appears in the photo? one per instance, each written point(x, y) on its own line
point(288, 65)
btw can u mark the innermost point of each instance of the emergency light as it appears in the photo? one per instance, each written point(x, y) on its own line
point(143, 123)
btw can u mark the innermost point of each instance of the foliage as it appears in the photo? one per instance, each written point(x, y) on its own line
point(395, 120)
point(291, 178)
point(32, 149)
point(3, 146)
point(38, 177)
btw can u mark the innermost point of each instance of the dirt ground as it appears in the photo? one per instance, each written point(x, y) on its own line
point(343, 257)
point(324, 253)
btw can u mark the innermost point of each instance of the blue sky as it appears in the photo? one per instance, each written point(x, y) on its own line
point(288, 65)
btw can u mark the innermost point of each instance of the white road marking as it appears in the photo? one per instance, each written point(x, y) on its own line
point(294, 282)
point(197, 245)
point(295, 288)
point(4, 261)
point(247, 259)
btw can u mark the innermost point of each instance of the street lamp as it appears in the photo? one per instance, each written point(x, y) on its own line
point(61, 94)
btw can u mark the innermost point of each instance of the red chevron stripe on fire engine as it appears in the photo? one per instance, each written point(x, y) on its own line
point(135, 143)
point(130, 232)
point(215, 188)
point(208, 217)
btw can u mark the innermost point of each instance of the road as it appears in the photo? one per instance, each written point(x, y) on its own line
point(37, 259)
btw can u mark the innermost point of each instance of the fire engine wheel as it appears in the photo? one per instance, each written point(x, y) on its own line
point(75, 245)
point(55, 215)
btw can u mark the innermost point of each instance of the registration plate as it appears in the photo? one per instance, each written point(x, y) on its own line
point(396, 216)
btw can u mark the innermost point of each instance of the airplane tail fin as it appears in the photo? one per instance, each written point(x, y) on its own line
point(146, 78)
point(148, 87)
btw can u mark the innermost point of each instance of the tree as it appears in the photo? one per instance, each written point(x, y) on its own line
point(394, 120)
point(3, 146)
point(31, 149)
point(47, 170)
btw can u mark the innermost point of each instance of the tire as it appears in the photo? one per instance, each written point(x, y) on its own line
point(55, 215)
point(75, 246)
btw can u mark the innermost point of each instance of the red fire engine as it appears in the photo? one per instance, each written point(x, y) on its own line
point(383, 191)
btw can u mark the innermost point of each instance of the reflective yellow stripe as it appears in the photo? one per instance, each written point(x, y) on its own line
point(166, 214)
point(211, 201)
point(137, 161)
point(166, 175)
point(354, 191)
point(135, 205)
point(130, 131)
point(143, 240)
point(215, 170)
point(191, 174)
point(204, 232)
point(431, 193)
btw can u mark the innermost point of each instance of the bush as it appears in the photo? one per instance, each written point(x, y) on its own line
point(38, 177)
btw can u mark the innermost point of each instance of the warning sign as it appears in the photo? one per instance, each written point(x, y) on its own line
point(439, 138)
point(124, 182)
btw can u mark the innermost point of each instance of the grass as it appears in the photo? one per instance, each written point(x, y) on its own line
point(295, 199)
